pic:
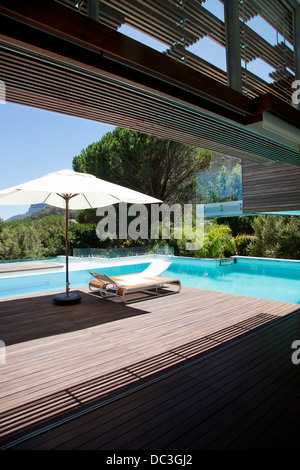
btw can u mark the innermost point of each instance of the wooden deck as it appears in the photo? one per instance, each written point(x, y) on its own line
point(195, 370)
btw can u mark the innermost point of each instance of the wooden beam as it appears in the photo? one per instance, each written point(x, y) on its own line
point(20, 35)
point(64, 23)
point(273, 104)
point(159, 71)
point(126, 83)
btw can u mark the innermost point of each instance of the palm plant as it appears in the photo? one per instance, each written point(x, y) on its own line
point(217, 241)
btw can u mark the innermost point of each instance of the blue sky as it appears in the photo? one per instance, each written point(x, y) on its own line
point(35, 142)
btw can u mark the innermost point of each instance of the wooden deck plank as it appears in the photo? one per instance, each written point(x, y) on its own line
point(61, 359)
point(185, 412)
point(224, 381)
point(163, 437)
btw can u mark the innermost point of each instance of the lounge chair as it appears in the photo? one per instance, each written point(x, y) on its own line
point(148, 281)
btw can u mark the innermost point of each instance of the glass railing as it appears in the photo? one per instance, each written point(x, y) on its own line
point(220, 188)
point(123, 252)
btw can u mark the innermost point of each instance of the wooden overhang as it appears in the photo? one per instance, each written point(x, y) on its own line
point(56, 59)
point(179, 25)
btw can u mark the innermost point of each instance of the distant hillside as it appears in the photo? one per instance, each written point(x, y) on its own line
point(51, 210)
point(39, 211)
point(33, 209)
point(220, 160)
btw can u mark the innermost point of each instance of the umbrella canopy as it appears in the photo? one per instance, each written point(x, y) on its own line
point(71, 190)
point(86, 190)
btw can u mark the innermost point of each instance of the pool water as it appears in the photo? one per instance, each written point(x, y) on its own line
point(254, 277)
point(261, 278)
point(33, 283)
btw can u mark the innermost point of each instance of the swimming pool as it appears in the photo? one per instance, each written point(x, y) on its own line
point(254, 277)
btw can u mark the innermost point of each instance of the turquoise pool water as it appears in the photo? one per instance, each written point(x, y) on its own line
point(33, 283)
point(267, 279)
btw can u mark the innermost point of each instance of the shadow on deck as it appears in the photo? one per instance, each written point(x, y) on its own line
point(233, 387)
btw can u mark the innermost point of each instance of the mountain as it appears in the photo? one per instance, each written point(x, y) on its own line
point(39, 211)
point(51, 210)
point(33, 209)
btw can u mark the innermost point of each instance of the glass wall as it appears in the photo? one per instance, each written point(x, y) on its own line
point(220, 188)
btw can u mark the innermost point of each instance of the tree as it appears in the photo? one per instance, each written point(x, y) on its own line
point(240, 225)
point(151, 165)
point(276, 236)
point(220, 185)
point(19, 241)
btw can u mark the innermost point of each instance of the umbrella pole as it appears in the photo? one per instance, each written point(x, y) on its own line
point(67, 298)
point(67, 247)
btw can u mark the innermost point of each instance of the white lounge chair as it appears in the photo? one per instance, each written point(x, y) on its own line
point(148, 281)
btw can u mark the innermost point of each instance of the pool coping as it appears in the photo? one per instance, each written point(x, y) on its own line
point(30, 266)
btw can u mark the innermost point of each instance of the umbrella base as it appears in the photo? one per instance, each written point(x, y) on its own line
point(64, 299)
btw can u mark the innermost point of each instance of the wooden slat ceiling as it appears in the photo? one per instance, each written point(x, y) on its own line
point(56, 59)
point(273, 12)
point(176, 23)
point(254, 85)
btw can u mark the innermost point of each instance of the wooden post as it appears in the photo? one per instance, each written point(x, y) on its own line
point(67, 298)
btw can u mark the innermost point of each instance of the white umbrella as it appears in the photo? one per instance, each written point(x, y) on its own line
point(71, 190)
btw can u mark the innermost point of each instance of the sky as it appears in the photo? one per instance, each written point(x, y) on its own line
point(34, 142)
